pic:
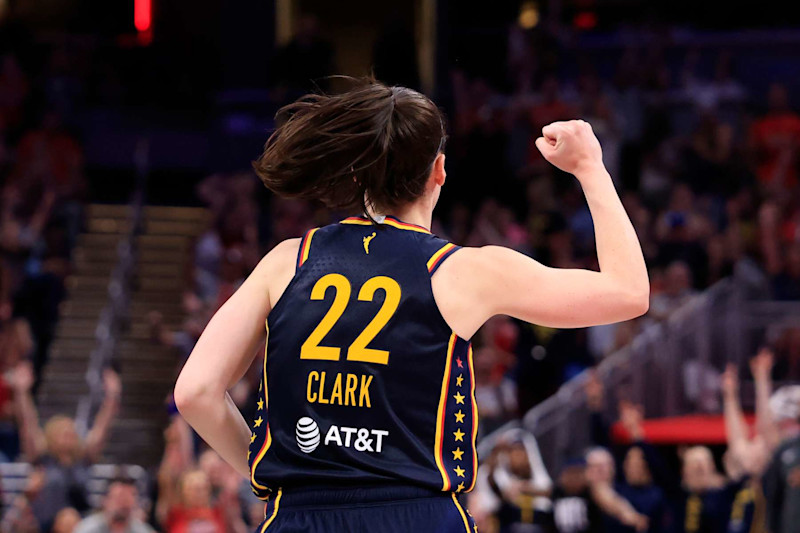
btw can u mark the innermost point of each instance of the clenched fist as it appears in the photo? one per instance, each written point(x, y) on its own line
point(572, 147)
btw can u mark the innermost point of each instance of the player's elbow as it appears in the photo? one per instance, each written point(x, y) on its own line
point(190, 396)
point(635, 302)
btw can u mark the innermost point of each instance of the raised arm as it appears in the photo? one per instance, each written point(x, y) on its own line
point(32, 437)
point(735, 425)
point(611, 503)
point(761, 368)
point(98, 435)
point(223, 353)
point(494, 280)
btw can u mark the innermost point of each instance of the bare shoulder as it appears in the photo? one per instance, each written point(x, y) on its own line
point(462, 288)
point(474, 266)
point(277, 268)
point(285, 251)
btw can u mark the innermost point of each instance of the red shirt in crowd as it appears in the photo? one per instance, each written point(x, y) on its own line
point(776, 139)
point(195, 520)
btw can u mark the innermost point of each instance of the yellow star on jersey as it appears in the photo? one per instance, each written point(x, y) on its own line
point(459, 471)
point(459, 397)
point(458, 453)
point(460, 379)
point(258, 421)
point(459, 416)
point(260, 404)
point(459, 435)
point(252, 438)
point(460, 487)
point(475, 528)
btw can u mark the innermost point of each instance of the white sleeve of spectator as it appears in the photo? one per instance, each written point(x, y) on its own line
point(483, 497)
point(541, 479)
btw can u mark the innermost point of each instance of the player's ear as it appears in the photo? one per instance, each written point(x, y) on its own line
point(438, 173)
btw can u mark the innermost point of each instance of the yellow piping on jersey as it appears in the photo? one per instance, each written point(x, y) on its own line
point(438, 255)
point(437, 446)
point(268, 437)
point(474, 419)
point(461, 512)
point(274, 511)
point(306, 244)
point(388, 221)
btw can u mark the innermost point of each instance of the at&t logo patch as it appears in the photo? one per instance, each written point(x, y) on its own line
point(307, 433)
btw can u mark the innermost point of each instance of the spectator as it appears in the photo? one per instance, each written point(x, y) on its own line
point(746, 459)
point(61, 458)
point(120, 512)
point(495, 393)
point(677, 291)
point(615, 510)
point(782, 487)
point(777, 414)
point(574, 509)
point(775, 141)
point(786, 285)
point(16, 345)
point(192, 507)
point(66, 521)
point(517, 487)
point(637, 485)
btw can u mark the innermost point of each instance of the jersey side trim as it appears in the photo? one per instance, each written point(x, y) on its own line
point(305, 247)
point(440, 415)
point(268, 436)
point(461, 512)
point(474, 419)
point(440, 255)
point(274, 511)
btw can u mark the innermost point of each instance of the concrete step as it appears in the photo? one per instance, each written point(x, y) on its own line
point(117, 226)
point(161, 256)
point(194, 214)
point(87, 255)
point(162, 270)
point(132, 406)
point(108, 211)
point(146, 354)
point(92, 307)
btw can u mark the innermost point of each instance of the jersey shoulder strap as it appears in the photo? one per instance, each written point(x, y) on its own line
point(305, 247)
point(437, 251)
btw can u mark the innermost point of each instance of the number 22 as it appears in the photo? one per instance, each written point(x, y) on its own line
point(357, 351)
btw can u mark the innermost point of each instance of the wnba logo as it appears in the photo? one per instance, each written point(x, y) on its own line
point(307, 433)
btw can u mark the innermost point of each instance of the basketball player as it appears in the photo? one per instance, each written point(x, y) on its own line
point(366, 419)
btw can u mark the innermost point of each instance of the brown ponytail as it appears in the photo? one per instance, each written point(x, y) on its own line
point(372, 145)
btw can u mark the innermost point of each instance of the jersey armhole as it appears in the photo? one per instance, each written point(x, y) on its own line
point(440, 256)
point(305, 248)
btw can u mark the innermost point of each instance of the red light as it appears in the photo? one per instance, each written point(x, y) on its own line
point(142, 15)
point(585, 20)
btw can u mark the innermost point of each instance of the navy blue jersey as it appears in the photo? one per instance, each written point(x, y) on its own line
point(364, 383)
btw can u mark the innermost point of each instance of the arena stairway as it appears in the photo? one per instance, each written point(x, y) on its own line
point(148, 370)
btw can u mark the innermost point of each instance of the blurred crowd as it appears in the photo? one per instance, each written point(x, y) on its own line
point(707, 168)
point(624, 483)
point(708, 172)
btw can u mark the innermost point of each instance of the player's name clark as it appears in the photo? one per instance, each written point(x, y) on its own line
point(341, 390)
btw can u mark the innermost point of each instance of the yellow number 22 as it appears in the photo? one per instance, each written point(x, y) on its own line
point(357, 351)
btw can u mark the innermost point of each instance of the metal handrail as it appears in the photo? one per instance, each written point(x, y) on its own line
point(114, 316)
